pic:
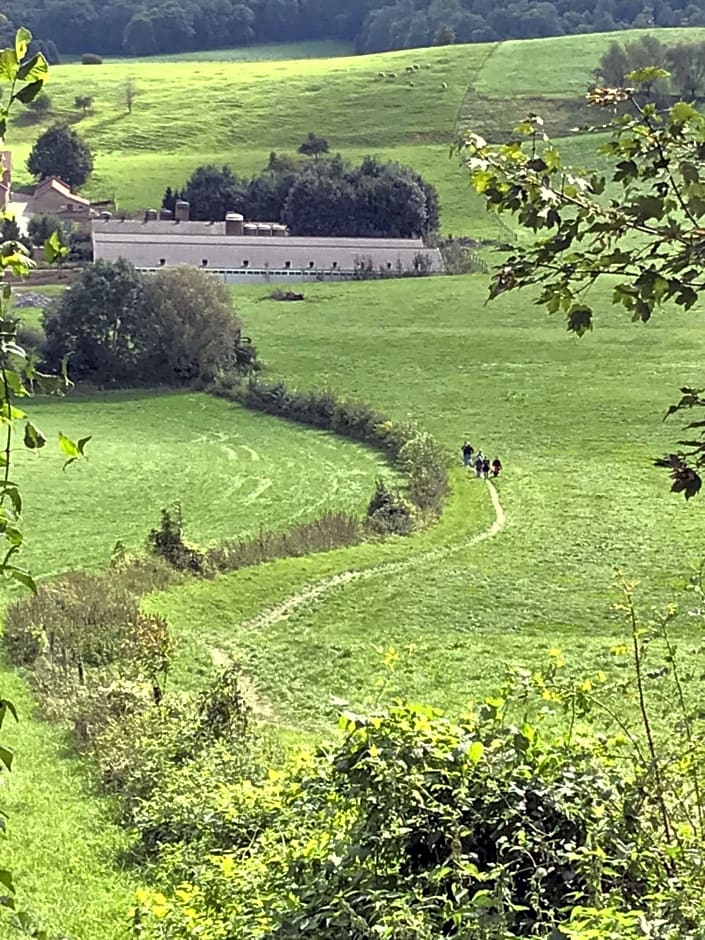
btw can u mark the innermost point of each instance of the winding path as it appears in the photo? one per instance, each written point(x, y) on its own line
point(300, 600)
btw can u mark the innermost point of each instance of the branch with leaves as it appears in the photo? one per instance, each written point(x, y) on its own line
point(642, 224)
point(19, 376)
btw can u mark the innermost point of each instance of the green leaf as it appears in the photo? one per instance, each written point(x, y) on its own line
point(580, 319)
point(682, 112)
point(68, 447)
point(28, 92)
point(5, 707)
point(6, 880)
point(6, 756)
point(476, 751)
point(35, 69)
point(8, 65)
point(23, 37)
point(33, 437)
point(72, 450)
point(21, 576)
point(53, 249)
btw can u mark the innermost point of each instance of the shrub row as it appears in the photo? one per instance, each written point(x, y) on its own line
point(331, 530)
point(416, 453)
point(99, 666)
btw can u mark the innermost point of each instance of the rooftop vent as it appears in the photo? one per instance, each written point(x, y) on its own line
point(182, 210)
point(234, 223)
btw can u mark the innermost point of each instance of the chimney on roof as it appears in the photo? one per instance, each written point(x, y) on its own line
point(234, 223)
point(182, 210)
point(150, 215)
point(165, 215)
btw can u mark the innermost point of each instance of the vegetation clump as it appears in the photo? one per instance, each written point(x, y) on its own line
point(176, 327)
point(320, 197)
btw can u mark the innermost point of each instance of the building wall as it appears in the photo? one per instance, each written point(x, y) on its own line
point(240, 255)
point(52, 203)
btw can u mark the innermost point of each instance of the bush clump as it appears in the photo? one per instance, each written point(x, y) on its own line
point(176, 327)
point(168, 542)
point(390, 513)
point(415, 825)
point(91, 58)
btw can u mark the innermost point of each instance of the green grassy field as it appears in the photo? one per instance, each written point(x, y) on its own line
point(232, 470)
point(237, 111)
point(577, 424)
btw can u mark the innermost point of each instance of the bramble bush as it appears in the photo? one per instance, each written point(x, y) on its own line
point(389, 512)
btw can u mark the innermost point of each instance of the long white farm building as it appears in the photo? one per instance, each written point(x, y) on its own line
point(251, 251)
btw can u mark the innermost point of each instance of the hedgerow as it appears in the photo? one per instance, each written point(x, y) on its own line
point(419, 457)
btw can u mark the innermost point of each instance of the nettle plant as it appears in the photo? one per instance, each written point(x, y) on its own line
point(642, 224)
point(19, 375)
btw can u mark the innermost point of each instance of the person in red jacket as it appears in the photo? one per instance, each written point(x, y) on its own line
point(496, 467)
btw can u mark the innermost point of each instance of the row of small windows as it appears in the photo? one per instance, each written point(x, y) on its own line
point(287, 264)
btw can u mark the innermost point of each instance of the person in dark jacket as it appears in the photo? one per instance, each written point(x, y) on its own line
point(486, 467)
point(468, 451)
point(479, 460)
point(496, 467)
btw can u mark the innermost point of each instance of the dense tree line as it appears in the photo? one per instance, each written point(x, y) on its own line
point(144, 27)
point(684, 61)
point(318, 197)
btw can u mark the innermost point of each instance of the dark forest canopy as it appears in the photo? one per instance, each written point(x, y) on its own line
point(145, 27)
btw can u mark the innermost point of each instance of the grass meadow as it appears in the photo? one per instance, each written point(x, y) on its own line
point(576, 422)
point(237, 109)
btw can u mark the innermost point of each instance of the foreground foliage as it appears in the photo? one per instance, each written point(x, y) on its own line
point(520, 819)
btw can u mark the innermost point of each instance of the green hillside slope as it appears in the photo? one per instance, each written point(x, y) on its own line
point(192, 112)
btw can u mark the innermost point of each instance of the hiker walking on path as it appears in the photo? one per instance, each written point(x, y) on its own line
point(496, 467)
point(479, 460)
point(468, 451)
point(485, 467)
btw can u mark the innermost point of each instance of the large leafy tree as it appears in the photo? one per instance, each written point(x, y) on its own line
point(212, 192)
point(99, 321)
point(60, 151)
point(642, 224)
point(119, 327)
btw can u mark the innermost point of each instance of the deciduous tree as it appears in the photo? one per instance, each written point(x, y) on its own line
point(313, 146)
point(61, 152)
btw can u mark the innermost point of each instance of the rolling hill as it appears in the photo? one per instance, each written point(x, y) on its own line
point(189, 111)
